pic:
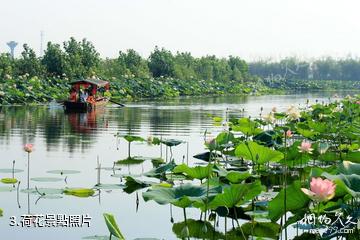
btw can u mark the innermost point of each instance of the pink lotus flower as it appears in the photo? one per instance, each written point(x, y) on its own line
point(320, 190)
point(28, 148)
point(358, 102)
point(211, 143)
point(288, 133)
point(305, 147)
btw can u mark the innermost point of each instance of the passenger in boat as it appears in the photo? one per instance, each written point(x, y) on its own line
point(91, 98)
point(73, 95)
point(83, 95)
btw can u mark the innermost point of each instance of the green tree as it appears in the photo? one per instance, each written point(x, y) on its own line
point(54, 60)
point(6, 65)
point(161, 63)
point(28, 63)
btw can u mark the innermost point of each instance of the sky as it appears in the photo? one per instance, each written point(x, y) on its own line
point(251, 29)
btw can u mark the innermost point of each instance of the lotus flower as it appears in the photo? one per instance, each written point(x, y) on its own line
point(211, 143)
point(28, 148)
point(274, 109)
point(293, 113)
point(288, 133)
point(320, 190)
point(269, 118)
point(305, 147)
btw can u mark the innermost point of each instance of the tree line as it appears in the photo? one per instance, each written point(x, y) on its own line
point(292, 68)
point(80, 59)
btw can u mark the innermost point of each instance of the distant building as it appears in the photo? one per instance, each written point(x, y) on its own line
point(12, 45)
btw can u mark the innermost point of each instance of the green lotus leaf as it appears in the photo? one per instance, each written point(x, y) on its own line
point(63, 172)
point(43, 191)
point(295, 200)
point(1, 212)
point(130, 161)
point(247, 127)
point(237, 177)
point(108, 186)
point(6, 189)
point(217, 119)
point(161, 170)
point(197, 229)
point(171, 142)
point(197, 172)
point(97, 237)
point(353, 156)
point(112, 226)
point(257, 153)
point(9, 180)
point(261, 229)
point(348, 168)
point(133, 184)
point(181, 196)
point(131, 138)
point(79, 192)
point(236, 195)
point(350, 182)
point(224, 138)
point(317, 126)
point(268, 138)
point(10, 170)
point(46, 179)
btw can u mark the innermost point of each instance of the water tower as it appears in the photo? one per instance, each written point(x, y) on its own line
point(12, 45)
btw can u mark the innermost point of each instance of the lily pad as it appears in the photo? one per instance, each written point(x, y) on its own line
point(161, 170)
point(133, 184)
point(9, 180)
point(43, 191)
point(46, 179)
point(131, 138)
point(6, 189)
point(96, 237)
point(196, 229)
point(237, 194)
point(197, 172)
point(79, 192)
point(257, 153)
point(130, 161)
point(108, 186)
point(63, 172)
point(10, 170)
point(182, 196)
point(295, 199)
point(171, 142)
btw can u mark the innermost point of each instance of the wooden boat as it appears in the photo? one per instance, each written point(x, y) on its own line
point(95, 89)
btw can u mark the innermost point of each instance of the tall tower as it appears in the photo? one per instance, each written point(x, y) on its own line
point(12, 45)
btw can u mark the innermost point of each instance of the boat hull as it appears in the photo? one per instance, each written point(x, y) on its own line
point(83, 106)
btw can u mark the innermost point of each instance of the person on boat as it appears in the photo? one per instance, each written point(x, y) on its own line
point(91, 98)
point(73, 95)
point(83, 95)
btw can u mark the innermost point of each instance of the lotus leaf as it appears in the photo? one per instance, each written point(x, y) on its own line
point(79, 192)
point(112, 226)
point(181, 196)
point(257, 153)
point(9, 180)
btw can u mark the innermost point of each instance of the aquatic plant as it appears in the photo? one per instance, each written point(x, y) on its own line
point(112, 226)
point(320, 190)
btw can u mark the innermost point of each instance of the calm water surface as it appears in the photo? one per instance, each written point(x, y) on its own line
point(76, 141)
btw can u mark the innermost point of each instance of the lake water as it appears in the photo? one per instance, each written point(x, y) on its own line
point(76, 141)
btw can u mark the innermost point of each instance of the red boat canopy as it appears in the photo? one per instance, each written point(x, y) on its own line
point(95, 83)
